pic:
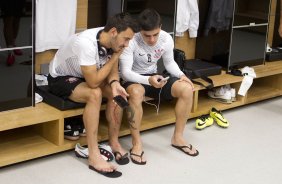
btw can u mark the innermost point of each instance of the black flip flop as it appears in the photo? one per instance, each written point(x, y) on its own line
point(123, 159)
point(140, 156)
point(181, 148)
point(113, 174)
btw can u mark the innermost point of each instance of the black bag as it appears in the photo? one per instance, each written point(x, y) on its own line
point(196, 68)
point(179, 57)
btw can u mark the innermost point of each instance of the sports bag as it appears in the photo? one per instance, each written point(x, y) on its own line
point(197, 68)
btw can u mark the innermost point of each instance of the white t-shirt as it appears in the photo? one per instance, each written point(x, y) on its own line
point(79, 50)
point(140, 58)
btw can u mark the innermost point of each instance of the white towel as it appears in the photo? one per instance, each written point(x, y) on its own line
point(55, 22)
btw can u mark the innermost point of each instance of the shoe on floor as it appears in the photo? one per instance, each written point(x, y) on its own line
point(190, 147)
point(203, 122)
point(113, 174)
point(80, 151)
point(123, 159)
point(218, 117)
point(105, 151)
point(137, 155)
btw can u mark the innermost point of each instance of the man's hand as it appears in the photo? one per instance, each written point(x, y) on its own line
point(117, 89)
point(156, 81)
point(183, 78)
point(116, 55)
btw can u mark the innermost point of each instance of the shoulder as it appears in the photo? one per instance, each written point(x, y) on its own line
point(90, 34)
point(166, 40)
point(135, 42)
point(87, 39)
point(165, 36)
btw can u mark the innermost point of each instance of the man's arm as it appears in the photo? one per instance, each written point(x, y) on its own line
point(126, 63)
point(114, 73)
point(168, 59)
point(95, 77)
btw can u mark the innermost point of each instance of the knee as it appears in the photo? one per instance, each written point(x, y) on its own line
point(95, 95)
point(185, 91)
point(188, 91)
point(136, 93)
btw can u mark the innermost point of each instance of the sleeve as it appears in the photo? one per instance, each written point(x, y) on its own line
point(126, 63)
point(168, 59)
point(194, 19)
point(85, 51)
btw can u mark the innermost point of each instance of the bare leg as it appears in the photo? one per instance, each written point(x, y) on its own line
point(114, 117)
point(136, 94)
point(93, 98)
point(184, 93)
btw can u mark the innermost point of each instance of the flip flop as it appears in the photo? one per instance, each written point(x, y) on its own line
point(140, 156)
point(123, 159)
point(113, 174)
point(181, 148)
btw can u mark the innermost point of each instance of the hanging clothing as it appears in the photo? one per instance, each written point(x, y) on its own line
point(187, 17)
point(55, 22)
point(220, 15)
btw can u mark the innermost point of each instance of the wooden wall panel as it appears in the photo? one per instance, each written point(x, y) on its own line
point(186, 44)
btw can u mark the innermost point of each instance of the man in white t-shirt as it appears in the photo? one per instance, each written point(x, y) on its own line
point(138, 65)
point(83, 70)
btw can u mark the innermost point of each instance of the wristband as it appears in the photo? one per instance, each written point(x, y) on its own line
point(112, 81)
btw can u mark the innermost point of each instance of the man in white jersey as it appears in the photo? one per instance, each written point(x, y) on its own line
point(138, 65)
point(83, 70)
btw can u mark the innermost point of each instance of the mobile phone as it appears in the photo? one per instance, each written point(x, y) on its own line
point(121, 101)
point(165, 79)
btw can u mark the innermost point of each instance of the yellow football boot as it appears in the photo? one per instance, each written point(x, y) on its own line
point(203, 122)
point(218, 117)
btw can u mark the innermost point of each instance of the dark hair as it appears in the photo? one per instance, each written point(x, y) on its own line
point(149, 19)
point(121, 22)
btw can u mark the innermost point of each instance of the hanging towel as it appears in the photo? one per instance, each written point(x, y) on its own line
point(187, 17)
point(55, 22)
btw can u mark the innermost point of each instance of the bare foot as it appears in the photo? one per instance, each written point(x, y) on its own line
point(137, 154)
point(180, 142)
point(101, 165)
point(118, 148)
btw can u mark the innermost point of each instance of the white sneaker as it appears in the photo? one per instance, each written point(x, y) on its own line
point(80, 151)
point(220, 94)
point(105, 151)
point(227, 87)
point(233, 94)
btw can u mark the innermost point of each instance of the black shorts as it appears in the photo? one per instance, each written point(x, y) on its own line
point(64, 85)
point(151, 91)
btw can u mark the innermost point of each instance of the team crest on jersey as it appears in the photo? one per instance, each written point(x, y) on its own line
point(158, 53)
